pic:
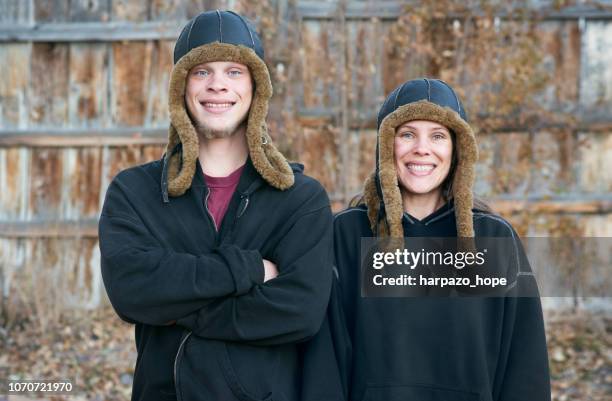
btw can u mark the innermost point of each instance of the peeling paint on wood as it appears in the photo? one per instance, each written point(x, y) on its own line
point(45, 174)
point(320, 156)
point(595, 162)
point(130, 10)
point(89, 10)
point(156, 92)
point(48, 97)
point(596, 74)
point(88, 83)
point(561, 48)
point(13, 11)
point(51, 10)
point(131, 75)
point(14, 183)
point(14, 82)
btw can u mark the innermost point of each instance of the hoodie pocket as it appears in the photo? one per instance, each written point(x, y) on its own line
point(234, 383)
point(419, 392)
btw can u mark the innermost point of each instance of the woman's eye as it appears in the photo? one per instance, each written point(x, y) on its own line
point(202, 73)
point(234, 73)
point(439, 136)
point(406, 135)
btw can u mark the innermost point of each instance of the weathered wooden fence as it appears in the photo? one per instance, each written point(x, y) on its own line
point(83, 92)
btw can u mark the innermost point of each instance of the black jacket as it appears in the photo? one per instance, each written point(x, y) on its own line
point(426, 349)
point(235, 337)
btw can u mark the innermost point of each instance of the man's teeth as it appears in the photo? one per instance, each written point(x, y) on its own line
point(217, 105)
point(420, 167)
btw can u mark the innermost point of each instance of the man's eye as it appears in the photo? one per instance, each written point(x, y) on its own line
point(234, 73)
point(406, 135)
point(201, 73)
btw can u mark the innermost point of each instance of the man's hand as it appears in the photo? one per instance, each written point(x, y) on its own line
point(270, 270)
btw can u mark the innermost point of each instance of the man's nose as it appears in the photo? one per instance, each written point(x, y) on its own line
point(217, 83)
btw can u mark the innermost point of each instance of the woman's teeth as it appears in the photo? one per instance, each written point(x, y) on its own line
point(218, 105)
point(420, 167)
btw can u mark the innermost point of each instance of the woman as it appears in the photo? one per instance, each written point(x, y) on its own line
point(433, 348)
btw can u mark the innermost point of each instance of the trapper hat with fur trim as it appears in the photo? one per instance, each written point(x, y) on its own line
point(420, 99)
point(219, 36)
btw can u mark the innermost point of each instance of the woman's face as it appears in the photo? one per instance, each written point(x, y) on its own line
point(423, 153)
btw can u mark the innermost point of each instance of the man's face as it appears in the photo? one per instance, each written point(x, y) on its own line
point(218, 97)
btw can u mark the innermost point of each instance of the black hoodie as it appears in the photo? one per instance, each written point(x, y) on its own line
point(430, 349)
point(235, 337)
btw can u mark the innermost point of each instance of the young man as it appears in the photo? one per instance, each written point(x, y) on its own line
point(220, 253)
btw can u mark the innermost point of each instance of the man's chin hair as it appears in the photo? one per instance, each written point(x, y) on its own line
point(210, 133)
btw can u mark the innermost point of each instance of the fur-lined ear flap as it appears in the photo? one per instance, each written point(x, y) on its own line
point(372, 201)
point(181, 168)
point(267, 160)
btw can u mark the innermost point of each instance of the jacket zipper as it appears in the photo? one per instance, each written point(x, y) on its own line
point(176, 362)
point(208, 211)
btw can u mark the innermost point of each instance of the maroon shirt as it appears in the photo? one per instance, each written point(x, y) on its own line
point(221, 190)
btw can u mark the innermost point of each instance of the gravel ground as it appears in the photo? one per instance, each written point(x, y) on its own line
point(96, 352)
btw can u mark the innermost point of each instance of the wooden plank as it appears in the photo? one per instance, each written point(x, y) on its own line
point(120, 158)
point(195, 7)
point(398, 62)
point(83, 184)
point(319, 67)
point(510, 167)
point(14, 181)
point(354, 10)
point(46, 178)
point(49, 84)
point(91, 31)
point(596, 74)
point(130, 10)
point(391, 9)
point(152, 30)
point(552, 207)
point(88, 228)
point(594, 162)
point(551, 170)
point(52, 275)
point(88, 82)
point(598, 226)
point(77, 137)
point(12, 11)
point(319, 116)
point(168, 10)
point(14, 82)
point(560, 43)
point(319, 155)
point(156, 89)
point(364, 67)
point(364, 145)
point(123, 136)
point(131, 72)
point(484, 169)
point(51, 11)
point(88, 10)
